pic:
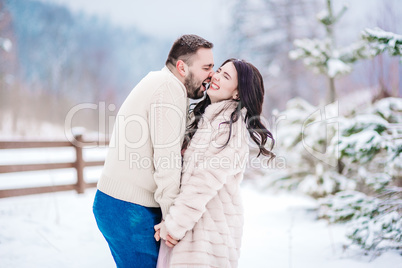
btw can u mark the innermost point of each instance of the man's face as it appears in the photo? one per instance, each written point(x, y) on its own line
point(199, 71)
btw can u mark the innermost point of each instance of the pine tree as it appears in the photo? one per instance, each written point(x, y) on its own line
point(262, 32)
point(371, 147)
point(304, 139)
point(366, 186)
point(323, 56)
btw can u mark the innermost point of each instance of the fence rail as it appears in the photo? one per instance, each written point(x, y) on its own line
point(79, 166)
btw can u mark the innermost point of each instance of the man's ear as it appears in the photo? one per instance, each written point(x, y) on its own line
point(182, 68)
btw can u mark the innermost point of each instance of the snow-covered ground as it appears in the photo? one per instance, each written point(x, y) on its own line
point(282, 230)
point(59, 230)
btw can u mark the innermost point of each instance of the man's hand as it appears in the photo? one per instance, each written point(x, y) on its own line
point(157, 234)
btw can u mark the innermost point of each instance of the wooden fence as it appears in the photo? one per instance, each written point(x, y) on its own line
point(78, 165)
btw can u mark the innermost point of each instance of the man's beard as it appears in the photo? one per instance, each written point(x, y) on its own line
point(193, 92)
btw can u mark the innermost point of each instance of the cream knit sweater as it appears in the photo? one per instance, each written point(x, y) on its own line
point(143, 164)
point(207, 216)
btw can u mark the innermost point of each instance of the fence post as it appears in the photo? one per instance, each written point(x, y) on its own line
point(79, 164)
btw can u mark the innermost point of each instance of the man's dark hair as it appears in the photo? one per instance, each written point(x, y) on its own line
point(186, 46)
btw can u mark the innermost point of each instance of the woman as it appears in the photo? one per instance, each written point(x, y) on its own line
point(207, 216)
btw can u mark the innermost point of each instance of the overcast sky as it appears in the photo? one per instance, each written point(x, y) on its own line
point(166, 18)
point(207, 18)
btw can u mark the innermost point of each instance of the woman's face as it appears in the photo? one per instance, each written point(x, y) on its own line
point(223, 84)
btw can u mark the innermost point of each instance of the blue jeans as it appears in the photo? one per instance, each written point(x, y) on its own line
point(129, 230)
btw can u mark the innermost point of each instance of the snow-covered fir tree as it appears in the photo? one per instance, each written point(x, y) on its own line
point(322, 56)
point(304, 137)
point(262, 31)
point(353, 162)
point(374, 222)
point(370, 147)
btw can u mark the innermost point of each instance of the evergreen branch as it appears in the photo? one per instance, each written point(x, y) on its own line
point(341, 13)
point(382, 41)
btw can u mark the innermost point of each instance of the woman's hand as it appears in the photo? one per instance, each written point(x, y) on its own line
point(160, 232)
point(157, 228)
point(170, 242)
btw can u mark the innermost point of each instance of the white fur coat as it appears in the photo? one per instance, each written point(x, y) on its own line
point(207, 216)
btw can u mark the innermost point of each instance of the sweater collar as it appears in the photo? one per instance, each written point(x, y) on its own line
point(165, 69)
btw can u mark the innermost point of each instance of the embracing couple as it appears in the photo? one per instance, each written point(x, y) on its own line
point(173, 175)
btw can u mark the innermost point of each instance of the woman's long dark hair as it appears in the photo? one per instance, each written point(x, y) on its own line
point(251, 95)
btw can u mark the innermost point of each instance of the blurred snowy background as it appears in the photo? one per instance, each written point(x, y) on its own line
point(333, 102)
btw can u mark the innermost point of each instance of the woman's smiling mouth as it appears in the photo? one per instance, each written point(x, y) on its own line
point(214, 86)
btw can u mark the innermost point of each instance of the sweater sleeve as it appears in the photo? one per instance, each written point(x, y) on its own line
point(168, 118)
point(209, 174)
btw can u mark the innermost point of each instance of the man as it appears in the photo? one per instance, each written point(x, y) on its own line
point(141, 175)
